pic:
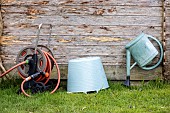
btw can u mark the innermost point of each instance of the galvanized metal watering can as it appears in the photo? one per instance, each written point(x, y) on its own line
point(143, 52)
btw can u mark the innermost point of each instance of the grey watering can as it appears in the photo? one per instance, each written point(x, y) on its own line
point(143, 52)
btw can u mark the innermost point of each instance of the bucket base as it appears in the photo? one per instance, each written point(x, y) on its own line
point(87, 92)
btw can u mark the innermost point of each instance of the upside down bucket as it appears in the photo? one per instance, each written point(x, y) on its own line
point(86, 75)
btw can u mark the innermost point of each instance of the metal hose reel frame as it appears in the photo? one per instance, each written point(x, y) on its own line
point(20, 58)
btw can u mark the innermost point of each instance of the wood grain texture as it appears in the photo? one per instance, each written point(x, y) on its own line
point(84, 2)
point(114, 72)
point(82, 28)
point(13, 19)
point(167, 41)
point(83, 10)
point(1, 24)
point(1, 29)
point(111, 50)
point(23, 29)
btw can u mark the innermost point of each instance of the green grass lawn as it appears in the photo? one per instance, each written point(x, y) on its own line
point(151, 97)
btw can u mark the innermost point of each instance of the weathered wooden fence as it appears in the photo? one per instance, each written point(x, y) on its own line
point(0, 36)
point(83, 28)
point(0, 22)
point(167, 39)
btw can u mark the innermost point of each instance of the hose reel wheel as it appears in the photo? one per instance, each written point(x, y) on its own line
point(26, 54)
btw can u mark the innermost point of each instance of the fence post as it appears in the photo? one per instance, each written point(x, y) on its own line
point(166, 41)
point(1, 26)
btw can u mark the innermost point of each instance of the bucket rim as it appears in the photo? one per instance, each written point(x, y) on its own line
point(131, 43)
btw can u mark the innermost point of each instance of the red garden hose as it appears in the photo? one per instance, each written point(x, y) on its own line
point(45, 78)
point(42, 70)
point(24, 62)
point(58, 70)
point(48, 73)
point(22, 84)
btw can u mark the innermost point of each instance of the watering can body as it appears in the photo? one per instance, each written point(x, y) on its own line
point(143, 52)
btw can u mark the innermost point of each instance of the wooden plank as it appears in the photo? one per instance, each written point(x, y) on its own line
point(166, 64)
point(167, 20)
point(63, 59)
point(119, 73)
point(167, 11)
point(167, 42)
point(83, 28)
point(76, 50)
point(67, 40)
point(1, 24)
point(70, 40)
point(25, 29)
point(14, 19)
point(1, 29)
point(84, 10)
point(167, 25)
point(83, 2)
point(108, 60)
point(114, 72)
point(113, 54)
point(167, 55)
point(167, 3)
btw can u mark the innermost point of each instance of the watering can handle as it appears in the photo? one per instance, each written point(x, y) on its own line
point(161, 54)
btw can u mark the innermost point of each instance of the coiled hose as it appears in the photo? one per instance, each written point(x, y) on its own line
point(45, 78)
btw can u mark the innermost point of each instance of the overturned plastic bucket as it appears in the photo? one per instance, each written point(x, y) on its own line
point(86, 75)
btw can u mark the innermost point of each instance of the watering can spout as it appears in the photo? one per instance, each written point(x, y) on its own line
point(127, 82)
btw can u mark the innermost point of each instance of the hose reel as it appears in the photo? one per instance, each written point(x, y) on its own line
point(34, 65)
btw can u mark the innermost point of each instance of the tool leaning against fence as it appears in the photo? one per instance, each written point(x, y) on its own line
point(143, 52)
point(34, 64)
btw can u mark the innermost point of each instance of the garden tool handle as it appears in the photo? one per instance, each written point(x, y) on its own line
point(161, 54)
point(38, 33)
point(49, 35)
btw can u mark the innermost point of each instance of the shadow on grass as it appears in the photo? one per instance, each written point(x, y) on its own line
point(113, 85)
